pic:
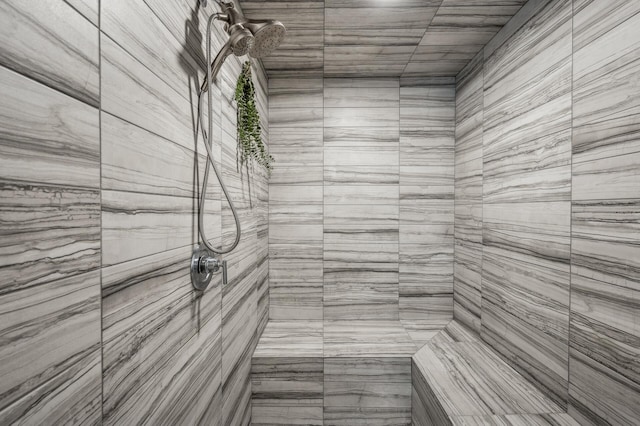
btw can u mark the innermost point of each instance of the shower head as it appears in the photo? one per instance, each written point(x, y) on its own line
point(268, 34)
point(241, 39)
point(256, 37)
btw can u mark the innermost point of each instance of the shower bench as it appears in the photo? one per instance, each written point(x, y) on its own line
point(388, 373)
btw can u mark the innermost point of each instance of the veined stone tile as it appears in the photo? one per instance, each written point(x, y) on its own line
point(55, 328)
point(360, 117)
point(434, 176)
point(420, 147)
point(360, 83)
point(363, 233)
point(516, 420)
point(286, 195)
point(152, 165)
point(605, 296)
point(503, 390)
point(302, 137)
point(297, 339)
point(344, 157)
point(361, 393)
point(351, 260)
point(351, 300)
point(148, 286)
point(289, 155)
point(290, 173)
point(361, 215)
point(366, 339)
point(145, 218)
point(138, 30)
point(46, 136)
point(295, 214)
point(295, 15)
point(276, 415)
point(360, 194)
point(604, 344)
point(375, 37)
point(361, 175)
point(49, 233)
point(125, 82)
point(291, 234)
point(295, 117)
point(610, 178)
point(295, 275)
point(295, 93)
point(353, 20)
point(422, 211)
point(65, 43)
point(427, 107)
point(369, 138)
point(361, 96)
point(287, 374)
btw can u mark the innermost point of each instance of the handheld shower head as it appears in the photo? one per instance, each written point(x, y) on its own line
point(241, 40)
point(268, 33)
point(256, 37)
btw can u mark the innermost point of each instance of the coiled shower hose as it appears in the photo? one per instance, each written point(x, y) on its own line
point(211, 163)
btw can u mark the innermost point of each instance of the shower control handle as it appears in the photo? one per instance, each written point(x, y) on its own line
point(224, 272)
point(203, 266)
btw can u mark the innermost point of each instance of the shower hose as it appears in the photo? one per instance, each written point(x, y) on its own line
point(211, 163)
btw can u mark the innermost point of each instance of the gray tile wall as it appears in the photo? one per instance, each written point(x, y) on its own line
point(427, 124)
point(361, 174)
point(604, 363)
point(49, 215)
point(555, 287)
point(361, 200)
point(99, 201)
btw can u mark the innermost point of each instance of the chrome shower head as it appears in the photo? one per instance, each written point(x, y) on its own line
point(268, 34)
point(241, 39)
point(255, 37)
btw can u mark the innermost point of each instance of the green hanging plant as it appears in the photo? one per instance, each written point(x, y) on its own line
point(250, 145)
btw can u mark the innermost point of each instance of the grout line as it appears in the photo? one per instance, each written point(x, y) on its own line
point(570, 212)
point(101, 228)
point(483, 64)
point(324, 15)
point(399, 190)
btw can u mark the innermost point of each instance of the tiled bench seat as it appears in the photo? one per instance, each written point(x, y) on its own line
point(332, 373)
point(458, 380)
point(375, 373)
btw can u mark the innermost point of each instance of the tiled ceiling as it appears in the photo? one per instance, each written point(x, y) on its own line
point(380, 38)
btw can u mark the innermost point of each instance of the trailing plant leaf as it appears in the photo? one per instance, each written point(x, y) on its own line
point(250, 145)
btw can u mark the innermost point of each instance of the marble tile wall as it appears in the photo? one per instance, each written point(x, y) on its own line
point(49, 215)
point(427, 125)
point(526, 198)
point(468, 195)
point(361, 200)
point(98, 152)
point(558, 210)
point(361, 173)
point(295, 204)
point(604, 384)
